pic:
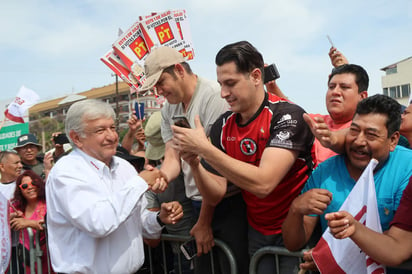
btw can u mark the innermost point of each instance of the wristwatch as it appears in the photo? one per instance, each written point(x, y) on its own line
point(158, 219)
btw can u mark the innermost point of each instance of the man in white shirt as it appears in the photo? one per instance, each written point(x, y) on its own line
point(10, 169)
point(96, 208)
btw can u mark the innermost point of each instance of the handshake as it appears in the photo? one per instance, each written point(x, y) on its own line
point(156, 179)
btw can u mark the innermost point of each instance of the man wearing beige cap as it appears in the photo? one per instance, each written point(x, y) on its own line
point(190, 95)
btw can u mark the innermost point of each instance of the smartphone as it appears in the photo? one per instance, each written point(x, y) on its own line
point(139, 110)
point(330, 41)
point(189, 249)
point(181, 121)
point(61, 139)
point(271, 73)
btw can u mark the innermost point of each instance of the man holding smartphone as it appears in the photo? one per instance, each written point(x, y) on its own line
point(190, 95)
point(262, 145)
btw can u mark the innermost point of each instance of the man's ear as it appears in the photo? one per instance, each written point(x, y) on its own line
point(394, 139)
point(179, 70)
point(256, 76)
point(363, 94)
point(75, 137)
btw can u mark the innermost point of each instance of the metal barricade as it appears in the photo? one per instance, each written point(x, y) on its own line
point(33, 256)
point(181, 239)
point(281, 251)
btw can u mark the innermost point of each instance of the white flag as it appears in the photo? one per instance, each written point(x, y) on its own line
point(5, 247)
point(25, 99)
point(337, 256)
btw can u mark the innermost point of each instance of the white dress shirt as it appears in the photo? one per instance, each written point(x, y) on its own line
point(96, 216)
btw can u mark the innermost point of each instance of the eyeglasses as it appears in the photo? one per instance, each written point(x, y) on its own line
point(26, 185)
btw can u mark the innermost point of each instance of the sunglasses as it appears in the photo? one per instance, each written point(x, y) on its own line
point(26, 185)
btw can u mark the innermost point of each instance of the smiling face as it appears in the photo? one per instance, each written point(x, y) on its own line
point(28, 190)
point(240, 90)
point(100, 139)
point(169, 87)
point(343, 96)
point(368, 138)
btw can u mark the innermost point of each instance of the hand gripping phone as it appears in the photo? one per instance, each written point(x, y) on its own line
point(271, 73)
point(181, 121)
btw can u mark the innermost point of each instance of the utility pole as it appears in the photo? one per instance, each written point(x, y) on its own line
point(117, 102)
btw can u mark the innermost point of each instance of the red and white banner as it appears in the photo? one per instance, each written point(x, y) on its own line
point(5, 247)
point(25, 99)
point(338, 256)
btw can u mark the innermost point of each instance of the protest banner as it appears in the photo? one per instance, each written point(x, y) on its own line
point(183, 25)
point(121, 73)
point(341, 256)
point(4, 234)
point(162, 30)
point(16, 110)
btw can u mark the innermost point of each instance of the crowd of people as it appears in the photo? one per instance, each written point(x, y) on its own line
point(251, 168)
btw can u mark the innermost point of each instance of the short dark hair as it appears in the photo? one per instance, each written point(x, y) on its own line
point(382, 104)
point(361, 76)
point(171, 69)
point(245, 56)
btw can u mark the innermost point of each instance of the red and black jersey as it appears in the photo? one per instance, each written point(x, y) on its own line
point(277, 123)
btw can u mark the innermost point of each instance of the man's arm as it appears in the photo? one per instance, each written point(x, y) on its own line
point(171, 163)
point(391, 248)
point(202, 230)
point(134, 126)
point(298, 226)
point(212, 187)
point(334, 140)
point(260, 180)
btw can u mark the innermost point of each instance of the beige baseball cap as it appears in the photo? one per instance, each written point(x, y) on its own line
point(157, 60)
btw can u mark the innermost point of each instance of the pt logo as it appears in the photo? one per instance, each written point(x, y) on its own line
point(164, 33)
point(248, 146)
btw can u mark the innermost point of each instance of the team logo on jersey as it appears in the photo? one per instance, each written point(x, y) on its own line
point(283, 135)
point(285, 117)
point(248, 146)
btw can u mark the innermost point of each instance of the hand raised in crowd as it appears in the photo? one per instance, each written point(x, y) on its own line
point(204, 237)
point(58, 148)
point(156, 180)
point(171, 213)
point(48, 162)
point(22, 223)
point(314, 201)
point(333, 140)
point(341, 224)
point(337, 58)
point(134, 123)
point(308, 263)
point(189, 140)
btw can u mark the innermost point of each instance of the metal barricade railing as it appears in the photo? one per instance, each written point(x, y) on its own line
point(181, 239)
point(281, 251)
point(30, 261)
point(274, 250)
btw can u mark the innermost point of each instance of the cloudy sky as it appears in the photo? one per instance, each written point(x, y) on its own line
point(53, 47)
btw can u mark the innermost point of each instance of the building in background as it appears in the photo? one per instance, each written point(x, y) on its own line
point(397, 81)
point(48, 116)
point(122, 103)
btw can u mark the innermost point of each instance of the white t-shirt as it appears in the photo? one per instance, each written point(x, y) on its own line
point(7, 189)
point(209, 105)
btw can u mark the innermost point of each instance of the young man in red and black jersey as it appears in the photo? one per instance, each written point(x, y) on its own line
point(262, 145)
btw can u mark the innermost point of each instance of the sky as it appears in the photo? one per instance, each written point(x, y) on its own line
point(54, 47)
